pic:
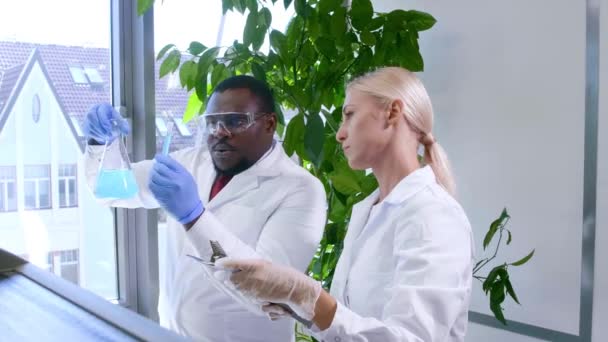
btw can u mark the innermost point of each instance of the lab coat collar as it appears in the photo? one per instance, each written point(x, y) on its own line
point(267, 166)
point(410, 185)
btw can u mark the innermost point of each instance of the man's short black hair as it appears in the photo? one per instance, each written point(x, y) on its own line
point(258, 88)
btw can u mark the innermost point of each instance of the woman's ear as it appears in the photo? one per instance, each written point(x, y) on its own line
point(395, 112)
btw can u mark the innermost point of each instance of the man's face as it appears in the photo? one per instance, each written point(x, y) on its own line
point(234, 153)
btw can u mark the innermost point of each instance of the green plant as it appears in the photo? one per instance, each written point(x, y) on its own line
point(325, 44)
point(496, 283)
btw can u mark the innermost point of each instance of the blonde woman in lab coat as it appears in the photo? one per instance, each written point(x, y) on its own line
point(406, 269)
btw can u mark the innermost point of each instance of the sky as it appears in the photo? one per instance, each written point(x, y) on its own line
point(87, 22)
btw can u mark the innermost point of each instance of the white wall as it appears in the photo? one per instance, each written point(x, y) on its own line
point(507, 80)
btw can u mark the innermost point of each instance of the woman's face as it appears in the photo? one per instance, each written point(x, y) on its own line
point(363, 131)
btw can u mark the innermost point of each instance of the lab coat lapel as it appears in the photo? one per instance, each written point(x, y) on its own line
point(247, 180)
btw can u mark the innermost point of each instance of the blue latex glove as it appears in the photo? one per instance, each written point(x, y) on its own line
point(100, 121)
point(175, 189)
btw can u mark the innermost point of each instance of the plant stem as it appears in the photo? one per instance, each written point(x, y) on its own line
point(496, 250)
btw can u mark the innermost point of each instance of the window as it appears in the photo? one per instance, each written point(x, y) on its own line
point(93, 75)
point(8, 184)
point(181, 127)
point(37, 186)
point(41, 169)
point(78, 75)
point(65, 264)
point(161, 126)
point(68, 196)
point(36, 108)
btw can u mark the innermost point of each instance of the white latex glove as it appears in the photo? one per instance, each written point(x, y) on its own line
point(263, 281)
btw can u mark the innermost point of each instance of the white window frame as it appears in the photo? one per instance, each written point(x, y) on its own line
point(37, 187)
point(78, 75)
point(63, 180)
point(5, 180)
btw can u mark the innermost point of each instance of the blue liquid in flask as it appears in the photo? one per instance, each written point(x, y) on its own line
point(116, 184)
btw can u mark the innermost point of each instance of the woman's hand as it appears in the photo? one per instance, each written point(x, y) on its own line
point(267, 282)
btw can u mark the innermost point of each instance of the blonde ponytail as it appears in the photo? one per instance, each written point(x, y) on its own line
point(436, 158)
point(390, 83)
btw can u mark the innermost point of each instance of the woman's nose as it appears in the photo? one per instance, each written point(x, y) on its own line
point(341, 134)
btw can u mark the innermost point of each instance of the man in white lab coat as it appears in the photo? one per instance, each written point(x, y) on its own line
point(242, 190)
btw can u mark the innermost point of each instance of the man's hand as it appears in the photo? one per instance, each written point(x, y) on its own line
point(175, 189)
point(100, 122)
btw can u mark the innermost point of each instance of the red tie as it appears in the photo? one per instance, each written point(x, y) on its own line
point(218, 185)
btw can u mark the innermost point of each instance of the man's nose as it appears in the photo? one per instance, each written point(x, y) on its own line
point(221, 131)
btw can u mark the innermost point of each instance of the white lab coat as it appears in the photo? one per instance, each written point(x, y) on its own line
point(405, 272)
point(274, 210)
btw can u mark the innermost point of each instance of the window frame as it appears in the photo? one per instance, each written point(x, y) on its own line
point(4, 205)
point(37, 187)
point(65, 185)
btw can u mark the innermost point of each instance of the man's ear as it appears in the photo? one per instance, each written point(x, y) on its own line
point(270, 123)
point(395, 112)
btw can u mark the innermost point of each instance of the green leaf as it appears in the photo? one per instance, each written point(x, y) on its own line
point(523, 260)
point(509, 237)
point(337, 210)
point(497, 292)
point(240, 6)
point(258, 38)
point(201, 88)
point(171, 63)
point(364, 60)
point(494, 226)
point(219, 73)
point(361, 13)
point(192, 108)
point(343, 179)
point(187, 74)
point(277, 42)
point(226, 6)
point(421, 21)
point(164, 50)
point(287, 3)
point(511, 291)
point(143, 6)
point(337, 26)
point(258, 72)
point(326, 47)
point(326, 6)
point(368, 38)
point(369, 184)
point(376, 23)
point(250, 30)
point(301, 8)
point(294, 134)
point(396, 21)
point(497, 310)
point(196, 48)
point(265, 17)
point(204, 62)
point(314, 137)
point(408, 52)
point(491, 278)
point(252, 5)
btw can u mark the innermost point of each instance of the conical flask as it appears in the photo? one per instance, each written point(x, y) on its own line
point(115, 179)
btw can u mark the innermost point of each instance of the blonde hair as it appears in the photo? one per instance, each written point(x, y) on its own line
point(391, 83)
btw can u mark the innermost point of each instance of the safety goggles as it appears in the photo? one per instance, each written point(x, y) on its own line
point(231, 122)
